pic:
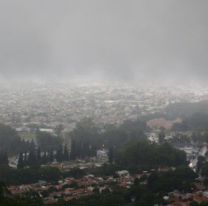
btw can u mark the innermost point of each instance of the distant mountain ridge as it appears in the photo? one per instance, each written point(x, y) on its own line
point(186, 109)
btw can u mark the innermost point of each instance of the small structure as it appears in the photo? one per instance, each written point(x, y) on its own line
point(102, 155)
point(123, 173)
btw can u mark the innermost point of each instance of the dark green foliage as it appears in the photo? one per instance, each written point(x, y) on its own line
point(35, 158)
point(26, 201)
point(110, 199)
point(198, 121)
point(65, 153)
point(181, 179)
point(28, 175)
point(44, 158)
point(59, 155)
point(129, 131)
point(87, 138)
point(180, 140)
point(58, 130)
point(20, 163)
point(32, 159)
point(3, 191)
point(186, 109)
point(3, 158)
point(143, 196)
point(204, 169)
point(195, 115)
point(159, 184)
point(11, 142)
point(201, 164)
point(48, 142)
point(162, 136)
point(38, 156)
point(51, 156)
point(111, 155)
point(144, 155)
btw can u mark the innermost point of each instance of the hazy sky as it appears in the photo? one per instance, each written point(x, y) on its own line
point(110, 39)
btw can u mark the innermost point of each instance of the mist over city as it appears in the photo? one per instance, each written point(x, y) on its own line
point(103, 102)
point(111, 40)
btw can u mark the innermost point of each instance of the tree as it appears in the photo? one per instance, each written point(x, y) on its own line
point(200, 163)
point(25, 158)
point(59, 155)
point(44, 158)
point(204, 169)
point(85, 139)
point(58, 130)
point(3, 191)
point(161, 138)
point(47, 142)
point(65, 153)
point(4, 158)
point(39, 158)
point(181, 179)
point(144, 155)
point(111, 155)
point(20, 163)
point(50, 156)
point(10, 141)
point(32, 159)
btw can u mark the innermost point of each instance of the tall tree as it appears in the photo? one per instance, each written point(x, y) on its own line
point(32, 159)
point(59, 155)
point(65, 153)
point(20, 163)
point(39, 158)
point(111, 155)
point(51, 156)
point(48, 142)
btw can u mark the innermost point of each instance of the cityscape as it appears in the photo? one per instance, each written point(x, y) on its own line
point(103, 103)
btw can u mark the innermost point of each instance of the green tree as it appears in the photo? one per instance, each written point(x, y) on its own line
point(47, 142)
point(65, 153)
point(20, 163)
point(111, 155)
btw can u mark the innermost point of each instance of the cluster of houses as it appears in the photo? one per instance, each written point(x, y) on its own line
point(75, 188)
point(71, 188)
point(178, 199)
point(199, 195)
